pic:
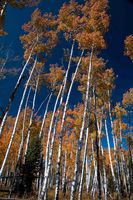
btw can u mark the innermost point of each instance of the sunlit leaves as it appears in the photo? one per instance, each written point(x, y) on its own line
point(68, 18)
point(128, 98)
point(41, 33)
point(54, 78)
point(129, 46)
point(85, 23)
point(119, 111)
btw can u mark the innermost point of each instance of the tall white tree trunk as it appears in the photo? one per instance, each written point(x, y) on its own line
point(49, 132)
point(104, 175)
point(41, 134)
point(111, 121)
point(99, 126)
point(83, 165)
point(85, 152)
point(5, 114)
point(124, 167)
point(64, 171)
point(61, 131)
point(74, 182)
point(94, 182)
point(44, 186)
point(16, 120)
point(16, 86)
point(23, 127)
point(116, 182)
point(41, 105)
point(109, 152)
point(88, 174)
point(31, 119)
point(50, 129)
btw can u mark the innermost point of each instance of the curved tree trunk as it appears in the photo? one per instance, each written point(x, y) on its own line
point(61, 131)
point(109, 151)
point(44, 116)
point(5, 114)
point(94, 182)
point(111, 163)
point(124, 167)
point(64, 173)
point(116, 182)
point(74, 182)
point(24, 119)
point(83, 165)
point(99, 126)
point(50, 129)
point(88, 174)
point(16, 121)
point(104, 175)
point(14, 92)
point(3, 7)
point(97, 142)
point(44, 186)
point(31, 119)
point(85, 152)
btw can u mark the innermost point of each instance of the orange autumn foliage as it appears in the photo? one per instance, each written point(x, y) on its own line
point(129, 46)
point(41, 33)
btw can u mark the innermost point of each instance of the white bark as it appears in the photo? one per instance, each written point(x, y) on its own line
point(99, 126)
point(84, 157)
point(23, 127)
point(73, 187)
point(41, 105)
point(123, 163)
point(16, 120)
point(116, 182)
point(62, 126)
point(111, 121)
point(83, 165)
point(64, 171)
point(104, 175)
point(31, 119)
point(109, 152)
point(3, 9)
point(49, 132)
point(45, 182)
point(88, 174)
point(50, 129)
point(16, 86)
point(94, 183)
point(41, 134)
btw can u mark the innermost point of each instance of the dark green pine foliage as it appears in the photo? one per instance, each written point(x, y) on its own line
point(30, 169)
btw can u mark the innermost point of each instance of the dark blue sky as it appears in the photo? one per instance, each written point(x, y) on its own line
point(121, 12)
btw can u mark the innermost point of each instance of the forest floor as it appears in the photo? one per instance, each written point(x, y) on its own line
point(85, 196)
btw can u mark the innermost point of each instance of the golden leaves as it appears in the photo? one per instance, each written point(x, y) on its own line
point(129, 46)
point(128, 98)
point(68, 18)
point(41, 32)
point(84, 23)
point(119, 111)
point(54, 78)
point(87, 40)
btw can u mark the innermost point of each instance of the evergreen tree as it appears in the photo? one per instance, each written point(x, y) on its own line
point(29, 170)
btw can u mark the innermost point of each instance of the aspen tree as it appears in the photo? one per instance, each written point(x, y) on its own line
point(17, 118)
point(88, 39)
point(68, 33)
point(24, 119)
point(31, 118)
point(127, 102)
